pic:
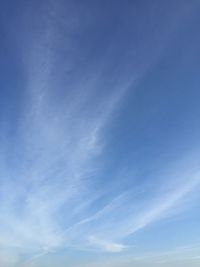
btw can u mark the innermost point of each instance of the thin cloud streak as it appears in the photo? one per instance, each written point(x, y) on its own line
point(57, 201)
point(51, 168)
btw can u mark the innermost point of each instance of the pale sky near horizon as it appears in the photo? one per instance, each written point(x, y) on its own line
point(99, 133)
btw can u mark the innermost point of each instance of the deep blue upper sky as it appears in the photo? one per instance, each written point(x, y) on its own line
point(99, 133)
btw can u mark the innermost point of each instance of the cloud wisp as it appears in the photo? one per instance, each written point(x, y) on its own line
point(58, 144)
point(57, 191)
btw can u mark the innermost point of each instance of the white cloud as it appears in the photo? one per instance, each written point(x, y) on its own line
point(105, 245)
point(46, 197)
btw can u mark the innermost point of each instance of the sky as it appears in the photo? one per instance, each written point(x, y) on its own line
point(99, 133)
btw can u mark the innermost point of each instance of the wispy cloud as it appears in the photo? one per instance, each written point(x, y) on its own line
point(51, 193)
point(163, 204)
point(58, 143)
point(105, 245)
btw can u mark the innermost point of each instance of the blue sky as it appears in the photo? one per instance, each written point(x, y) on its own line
point(99, 133)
